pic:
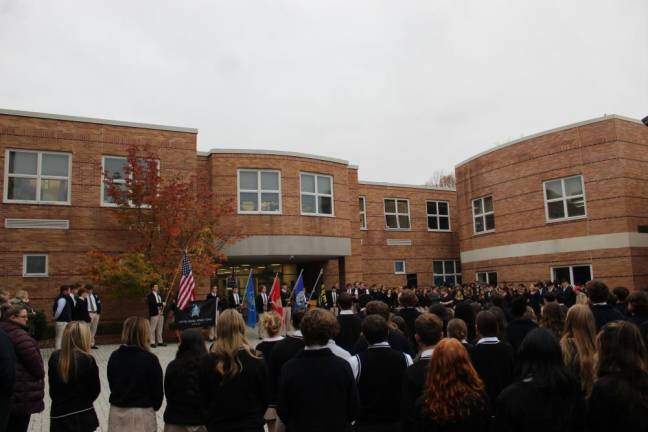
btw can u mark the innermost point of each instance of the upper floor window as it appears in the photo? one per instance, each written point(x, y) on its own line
point(115, 168)
point(259, 191)
point(483, 216)
point(397, 213)
point(316, 194)
point(564, 198)
point(37, 177)
point(362, 206)
point(438, 215)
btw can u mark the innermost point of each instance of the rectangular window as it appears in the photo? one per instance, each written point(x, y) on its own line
point(438, 215)
point(316, 194)
point(574, 275)
point(35, 265)
point(362, 206)
point(483, 215)
point(399, 267)
point(564, 198)
point(114, 167)
point(37, 177)
point(259, 191)
point(397, 214)
point(486, 277)
point(446, 272)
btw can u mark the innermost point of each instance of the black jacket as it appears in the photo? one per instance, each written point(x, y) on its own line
point(182, 390)
point(335, 403)
point(153, 305)
point(66, 314)
point(604, 314)
point(395, 338)
point(517, 331)
point(283, 351)
point(259, 304)
point(237, 404)
point(615, 404)
point(7, 366)
point(349, 331)
point(230, 301)
point(413, 383)
point(410, 314)
point(80, 312)
point(494, 362)
point(135, 378)
point(75, 396)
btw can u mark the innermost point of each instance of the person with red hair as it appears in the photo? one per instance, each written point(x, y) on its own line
point(454, 398)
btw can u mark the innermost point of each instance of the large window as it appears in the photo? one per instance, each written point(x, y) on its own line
point(259, 191)
point(399, 267)
point(114, 167)
point(35, 265)
point(564, 198)
point(316, 194)
point(362, 206)
point(483, 215)
point(446, 272)
point(574, 275)
point(438, 215)
point(37, 177)
point(486, 277)
point(397, 213)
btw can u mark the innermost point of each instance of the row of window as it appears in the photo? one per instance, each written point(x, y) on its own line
point(564, 199)
point(574, 275)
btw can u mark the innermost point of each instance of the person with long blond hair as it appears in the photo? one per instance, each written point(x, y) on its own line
point(454, 397)
point(135, 379)
point(578, 345)
point(73, 382)
point(233, 380)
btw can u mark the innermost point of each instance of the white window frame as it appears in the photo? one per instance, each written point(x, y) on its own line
point(404, 267)
point(38, 177)
point(397, 214)
point(363, 212)
point(444, 274)
point(438, 216)
point(571, 271)
point(103, 203)
point(258, 191)
point(564, 199)
point(483, 214)
point(316, 194)
point(26, 256)
point(487, 273)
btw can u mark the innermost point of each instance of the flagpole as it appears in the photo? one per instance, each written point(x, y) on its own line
point(292, 291)
point(173, 281)
point(310, 297)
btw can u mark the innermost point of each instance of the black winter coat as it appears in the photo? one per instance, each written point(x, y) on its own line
point(29, 389)
point(182, 390)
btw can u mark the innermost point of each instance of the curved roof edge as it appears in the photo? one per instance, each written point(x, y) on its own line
point(547, 132)
point(96, 121)
point(401, 185)
point(275, 153)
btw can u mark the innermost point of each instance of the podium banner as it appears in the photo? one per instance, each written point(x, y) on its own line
point(196, 314)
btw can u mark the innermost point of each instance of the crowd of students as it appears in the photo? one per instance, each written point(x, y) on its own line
point(454, 365)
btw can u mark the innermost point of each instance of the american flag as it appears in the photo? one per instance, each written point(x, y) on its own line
point(187, 284)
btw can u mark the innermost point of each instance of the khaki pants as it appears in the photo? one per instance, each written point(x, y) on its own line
point(287, 316)
point(59, 327)
point(94, 323)
point(157, 324)
point(131, 419)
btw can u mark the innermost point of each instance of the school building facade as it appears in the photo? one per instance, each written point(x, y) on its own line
point(567, 204)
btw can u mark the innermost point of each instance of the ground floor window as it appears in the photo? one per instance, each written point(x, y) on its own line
point(446, 272)
point(574, 274)
point(399, 267)
point(486, 277)
point(35, 265)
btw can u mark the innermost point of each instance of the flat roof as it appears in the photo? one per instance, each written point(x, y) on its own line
point(550, 131)
point(275, 153)
point(96, 121)
point(401, 185)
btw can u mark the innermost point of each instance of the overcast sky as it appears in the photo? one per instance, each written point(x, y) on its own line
point(401, 88)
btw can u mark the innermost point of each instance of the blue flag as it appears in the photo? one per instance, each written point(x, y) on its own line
point(251, 302)
point(300, 293)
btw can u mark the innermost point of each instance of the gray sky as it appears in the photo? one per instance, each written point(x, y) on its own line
point(401, 88)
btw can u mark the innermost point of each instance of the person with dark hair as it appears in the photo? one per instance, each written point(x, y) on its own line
point(547, 397)
point(7, 377)
point(638, 308)
point(395, 338)
point(62, 309)
point(29, 388)
point(621, 294)
point(334, 405)
point(465, 312)
point(599, 295)
point(94, 311)
point(442, 312)
point(379, 373)
point(553, 319)
point(409, 312)
point(491, 357)
point(619, 399)
point(349, 323)
point(502, 324)
point(453, 397)
point(182, 385)
point(520, 326)
point(156, 315)
point(457, 329)
point(428, 332)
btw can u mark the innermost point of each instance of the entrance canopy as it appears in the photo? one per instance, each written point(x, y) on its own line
point(282, 248)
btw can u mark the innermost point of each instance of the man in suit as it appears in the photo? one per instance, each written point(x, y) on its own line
point(262, 303)
point(213, 295)
point(94, 310)
point(156, 316)
point(395, 338)
point(287, 308)
point(409, 301)
point(349, 324)
point(82, 305)
point(599, 295)
point(77, 312)
point(332, 300)
point(520, 326)
point(234, 299)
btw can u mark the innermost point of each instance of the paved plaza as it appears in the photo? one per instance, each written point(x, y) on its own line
point(40, 422)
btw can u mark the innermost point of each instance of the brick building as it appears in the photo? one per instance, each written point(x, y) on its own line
point(300, 212)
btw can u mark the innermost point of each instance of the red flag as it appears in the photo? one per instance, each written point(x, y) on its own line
point(275, 296)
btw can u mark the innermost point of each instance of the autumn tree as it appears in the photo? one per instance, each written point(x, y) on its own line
point(442, 179)
point(163, 218)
